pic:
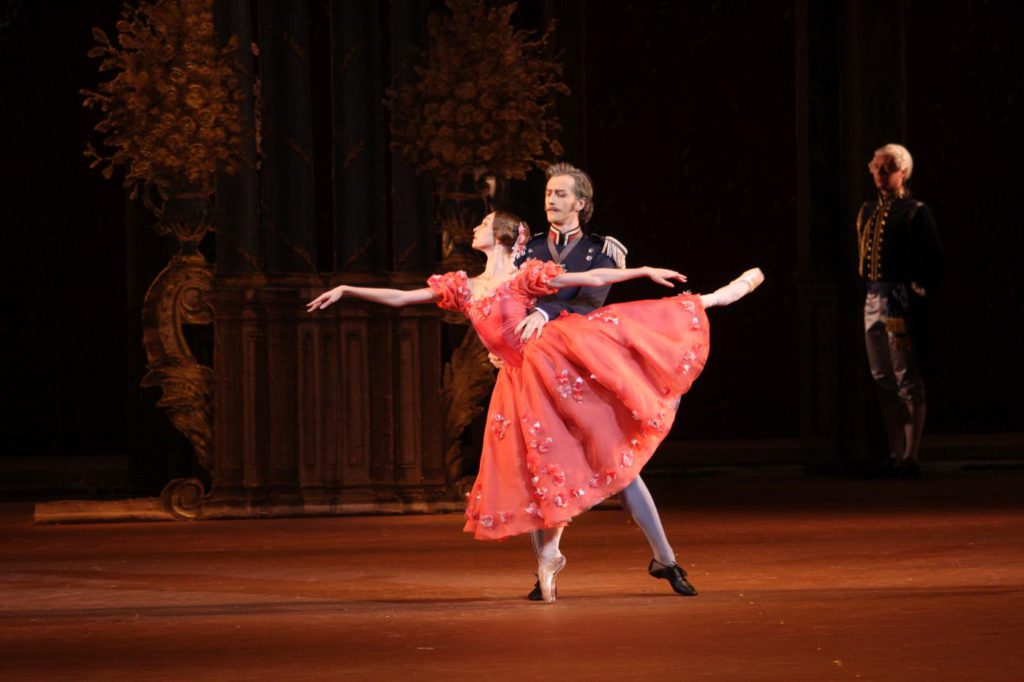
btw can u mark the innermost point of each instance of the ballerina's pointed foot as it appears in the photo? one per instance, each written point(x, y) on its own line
point(734, 290)
point(547, 569)
point(752, 277)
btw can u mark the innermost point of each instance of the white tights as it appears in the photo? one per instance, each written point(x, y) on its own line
point(545, 542)
point(637, 500)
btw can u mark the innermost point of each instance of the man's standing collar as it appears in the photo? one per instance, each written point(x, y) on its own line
point(884, 198)
point(563, 238)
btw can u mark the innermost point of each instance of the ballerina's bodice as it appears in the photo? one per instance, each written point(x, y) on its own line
point(495, 316)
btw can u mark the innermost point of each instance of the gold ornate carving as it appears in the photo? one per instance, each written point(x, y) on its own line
point(178, 296)
point(467, 381)
point(171, 113)
point(183, 498)
point(485, 97)
point(172, 121)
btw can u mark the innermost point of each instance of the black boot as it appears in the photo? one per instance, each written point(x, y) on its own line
point(675, 576)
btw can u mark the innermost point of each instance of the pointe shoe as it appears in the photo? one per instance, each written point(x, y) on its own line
point(734, 290)
point(675, 576)
point(752, 278)
point(547, 569)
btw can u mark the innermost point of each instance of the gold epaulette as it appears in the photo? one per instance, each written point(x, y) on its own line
point(615, 250)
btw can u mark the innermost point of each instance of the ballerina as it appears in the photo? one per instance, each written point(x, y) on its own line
point(575, 414)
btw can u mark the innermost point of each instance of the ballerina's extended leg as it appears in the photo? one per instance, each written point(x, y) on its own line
point(734, 290)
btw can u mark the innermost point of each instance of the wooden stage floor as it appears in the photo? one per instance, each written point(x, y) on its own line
point(800, 579)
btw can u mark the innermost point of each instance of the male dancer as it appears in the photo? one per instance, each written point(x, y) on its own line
point(900, 260)
point(569, 204)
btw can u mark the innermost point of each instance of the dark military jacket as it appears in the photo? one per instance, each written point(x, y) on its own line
point(898, 242)
point(586, 253)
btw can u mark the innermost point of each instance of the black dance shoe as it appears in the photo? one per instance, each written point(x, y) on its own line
point(910, 469)
point(535, 593)
point(675, 576)
point(884, 470)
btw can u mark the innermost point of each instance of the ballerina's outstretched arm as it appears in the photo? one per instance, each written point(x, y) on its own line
point(601, 276)
point(396, 298)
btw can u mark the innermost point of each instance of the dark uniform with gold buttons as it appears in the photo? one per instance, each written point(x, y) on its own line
point(900, 260)
point(577, 252)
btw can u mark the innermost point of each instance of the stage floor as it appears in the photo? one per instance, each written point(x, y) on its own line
point(800, 579)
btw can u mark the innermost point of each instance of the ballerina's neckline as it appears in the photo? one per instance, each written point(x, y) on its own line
point(470, 284)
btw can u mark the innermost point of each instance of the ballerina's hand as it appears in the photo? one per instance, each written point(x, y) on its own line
point(663, 276)
point(325, 299)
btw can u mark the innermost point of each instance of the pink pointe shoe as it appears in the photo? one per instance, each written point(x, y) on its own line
point(734, 290)
point(547, 569)
point(752, 278)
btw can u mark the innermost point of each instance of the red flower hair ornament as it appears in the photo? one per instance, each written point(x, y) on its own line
point(519, 248)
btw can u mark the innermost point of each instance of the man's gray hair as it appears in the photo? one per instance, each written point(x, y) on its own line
point(899, 154)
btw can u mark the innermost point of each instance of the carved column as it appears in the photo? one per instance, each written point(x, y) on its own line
point(849, 100)
point(179, 296)
point(411, 196)
point(287, 194)
point(239, 244)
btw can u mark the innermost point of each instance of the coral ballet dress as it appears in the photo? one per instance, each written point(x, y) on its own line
point(576, 413)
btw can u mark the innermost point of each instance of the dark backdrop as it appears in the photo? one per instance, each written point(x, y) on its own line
point(689, 125)
point(965, 111)
point(683, 113)
point(78, 260)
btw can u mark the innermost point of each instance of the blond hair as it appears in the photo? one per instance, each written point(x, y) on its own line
point(899, 154)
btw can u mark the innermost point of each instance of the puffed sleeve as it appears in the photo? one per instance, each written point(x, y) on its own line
point(452, 289)
point(533, 277)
